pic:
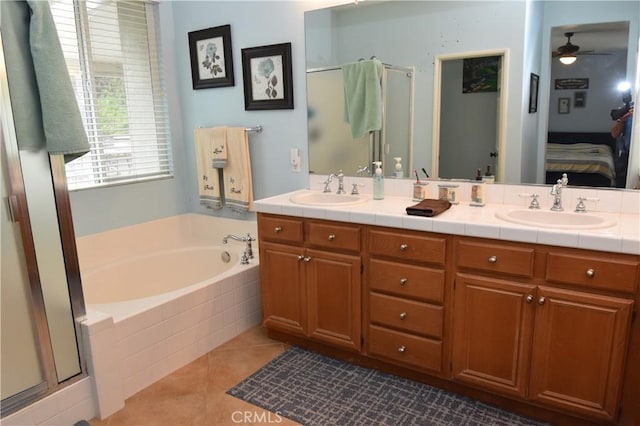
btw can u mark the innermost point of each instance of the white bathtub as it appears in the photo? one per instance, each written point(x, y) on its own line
point(159, 295)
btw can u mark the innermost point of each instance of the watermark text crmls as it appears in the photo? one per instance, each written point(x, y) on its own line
point(251, 417)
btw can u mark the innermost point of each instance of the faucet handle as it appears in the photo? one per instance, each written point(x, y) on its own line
point(581, 207)
point(535, 204)
point(354, 190)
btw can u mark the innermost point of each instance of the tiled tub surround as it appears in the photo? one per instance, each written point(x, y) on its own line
point(131, 344)
point(462, 219)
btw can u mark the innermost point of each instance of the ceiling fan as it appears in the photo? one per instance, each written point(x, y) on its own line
point(567, 53)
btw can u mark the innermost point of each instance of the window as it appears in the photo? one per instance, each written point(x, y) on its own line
point(112, 54)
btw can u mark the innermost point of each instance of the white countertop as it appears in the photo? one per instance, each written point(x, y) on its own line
point(462, 219)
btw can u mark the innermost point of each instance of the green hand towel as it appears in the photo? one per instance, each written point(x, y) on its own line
point(363, 96)
point(44, 106)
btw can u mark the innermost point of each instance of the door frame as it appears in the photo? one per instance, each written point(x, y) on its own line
point(501, 129)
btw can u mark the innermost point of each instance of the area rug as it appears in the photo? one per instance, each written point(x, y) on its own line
point(314, 389)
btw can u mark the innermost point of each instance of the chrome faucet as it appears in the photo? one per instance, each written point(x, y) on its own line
point(556, 191)
point(248, 251)
point(340, 177)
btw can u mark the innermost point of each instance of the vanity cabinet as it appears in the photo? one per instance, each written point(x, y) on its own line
point(547, 329)
point(405, 298)
point(311, 279)
point(528, 323)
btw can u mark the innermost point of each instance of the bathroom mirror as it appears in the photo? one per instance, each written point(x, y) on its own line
point(414, 33)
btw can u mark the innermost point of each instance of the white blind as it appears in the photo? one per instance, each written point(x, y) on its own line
point(112, 53)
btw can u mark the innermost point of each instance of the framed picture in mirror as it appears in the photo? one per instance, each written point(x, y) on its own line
point(268, 80)
point(563, 105)
point(533, 92)
point(579, 99)
point(211, 57)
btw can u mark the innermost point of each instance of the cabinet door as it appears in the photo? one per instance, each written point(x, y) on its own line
point(333, 285)
point(492, 327)
point(283, 290)
point(580, 342)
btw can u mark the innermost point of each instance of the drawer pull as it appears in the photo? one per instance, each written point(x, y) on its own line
point(541, 300)
point(591, 273)
point(332, 237)
point(492, 259)
point(529, 298)
point(403, 315)
point(278, 229)
point(402, 349)
point(403, 247)
point(403, 281)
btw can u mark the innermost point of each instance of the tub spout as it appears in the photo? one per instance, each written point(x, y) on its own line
point(248, 251)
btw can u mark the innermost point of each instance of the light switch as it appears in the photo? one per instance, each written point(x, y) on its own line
point(295, 160)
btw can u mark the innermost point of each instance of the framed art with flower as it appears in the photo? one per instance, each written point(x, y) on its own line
point(211, 57)
point(268, 82)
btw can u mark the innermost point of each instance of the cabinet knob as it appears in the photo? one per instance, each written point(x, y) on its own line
point(300, 258)
point(403, 281)
point(307, 259)
point(403, 247)
point(529, 298)
point(403, 315)
point(492, 259)
point(402, 349)
point(541, 300)
point(278, 229)
point(591, 273)
point(332, 237)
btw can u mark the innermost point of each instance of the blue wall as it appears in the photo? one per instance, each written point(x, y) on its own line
point(252, 24)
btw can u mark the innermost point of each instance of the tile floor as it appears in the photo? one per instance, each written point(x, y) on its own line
point(195, 394)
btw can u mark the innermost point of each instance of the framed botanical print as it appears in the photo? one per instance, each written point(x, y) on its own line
point(211, 57)
point(268, 81)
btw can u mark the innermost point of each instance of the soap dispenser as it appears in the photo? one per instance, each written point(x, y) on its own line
point(378, 181)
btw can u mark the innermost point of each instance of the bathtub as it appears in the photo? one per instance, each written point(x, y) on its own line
point(161, 294)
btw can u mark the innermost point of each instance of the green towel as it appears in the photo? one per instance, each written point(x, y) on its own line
point(45, 110)
point(363, 96)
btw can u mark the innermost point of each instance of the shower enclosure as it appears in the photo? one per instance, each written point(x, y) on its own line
point(41, 290)
point(331, 146)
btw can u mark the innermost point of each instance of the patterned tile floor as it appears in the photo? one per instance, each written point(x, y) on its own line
point(195, 394)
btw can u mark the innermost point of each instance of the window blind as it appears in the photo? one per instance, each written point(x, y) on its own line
point(112, 53)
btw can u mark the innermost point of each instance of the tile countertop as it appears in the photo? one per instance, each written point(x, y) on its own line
point(462, 219)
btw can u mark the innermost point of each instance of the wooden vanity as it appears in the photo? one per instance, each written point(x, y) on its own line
point(545, 331)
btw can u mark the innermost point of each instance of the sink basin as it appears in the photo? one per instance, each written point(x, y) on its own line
point(326, 199)
point(551, 219)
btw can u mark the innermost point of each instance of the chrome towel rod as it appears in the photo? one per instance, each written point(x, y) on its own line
point(257, 129)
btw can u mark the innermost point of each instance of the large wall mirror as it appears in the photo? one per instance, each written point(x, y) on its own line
point(412, 34)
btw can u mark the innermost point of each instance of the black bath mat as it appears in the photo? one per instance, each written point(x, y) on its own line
point(313, 389)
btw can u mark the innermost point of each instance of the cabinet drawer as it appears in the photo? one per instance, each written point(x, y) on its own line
point(406, 280)
point(332, 236)
point(275, 228)
point(406, 315)
point(589, 271)
point(405, 348)
point(495, 258)
point(407, 246)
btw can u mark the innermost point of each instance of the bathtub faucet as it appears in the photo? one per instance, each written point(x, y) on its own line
point(248, 251)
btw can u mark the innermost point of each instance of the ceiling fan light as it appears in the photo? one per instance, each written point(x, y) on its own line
point(568, 59)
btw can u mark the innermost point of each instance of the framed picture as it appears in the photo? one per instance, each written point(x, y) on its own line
point(563, 105)
point(480, 74)
point(211, 57)
point(268, 81)
point(571, 83)
point(579, 99)
point(533, 93)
